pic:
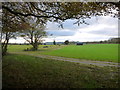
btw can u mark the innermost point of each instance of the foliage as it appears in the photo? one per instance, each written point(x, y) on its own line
point(5, 39)
point(59, 11)
point(11, 23)
point(34, 36)
point(54, 43)
point(66, 42)
point(10, 26)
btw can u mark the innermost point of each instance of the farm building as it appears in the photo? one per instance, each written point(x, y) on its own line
point(79, 43)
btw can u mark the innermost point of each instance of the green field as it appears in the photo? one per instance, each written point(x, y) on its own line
point(22, 71)
point(101, 52)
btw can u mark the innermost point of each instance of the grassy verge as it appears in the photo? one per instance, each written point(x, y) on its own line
point(22, 71)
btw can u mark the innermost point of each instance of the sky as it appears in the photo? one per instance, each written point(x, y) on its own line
point(99, 29)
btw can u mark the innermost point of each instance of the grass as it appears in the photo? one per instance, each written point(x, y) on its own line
point(22, 71)
point(101, 52)
point(20, 48)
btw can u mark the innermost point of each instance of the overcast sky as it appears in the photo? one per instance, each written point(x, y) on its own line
point(99, 28)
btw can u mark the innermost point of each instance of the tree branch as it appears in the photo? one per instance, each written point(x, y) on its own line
point(27, 40)
point(30, 14)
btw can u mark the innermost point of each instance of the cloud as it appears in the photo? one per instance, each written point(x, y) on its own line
point(52, 26)
point(105, 26)
point(61, 32)
point(18, 40)
point(100, 28)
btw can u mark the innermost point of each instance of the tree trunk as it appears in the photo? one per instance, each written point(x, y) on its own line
point(5, 43)
point(35, 46)
point(4, 47)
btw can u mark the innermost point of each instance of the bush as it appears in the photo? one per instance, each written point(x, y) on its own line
point(29, 49)
point(45, 46)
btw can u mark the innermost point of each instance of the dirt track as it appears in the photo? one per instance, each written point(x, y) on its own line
point(81, 61)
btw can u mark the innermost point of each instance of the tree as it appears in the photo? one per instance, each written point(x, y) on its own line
point(34, 36)
point(60, 11)
point(17, 14)
point(6, 36)
point(10, 25)
point(66, 42)
point(54, 43)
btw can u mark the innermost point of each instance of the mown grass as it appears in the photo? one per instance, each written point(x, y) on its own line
point(101, 52)
point(22, 71)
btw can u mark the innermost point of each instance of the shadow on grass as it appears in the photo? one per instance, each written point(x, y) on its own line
point(32, 72)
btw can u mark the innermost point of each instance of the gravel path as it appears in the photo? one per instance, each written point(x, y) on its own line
point(82, 61)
